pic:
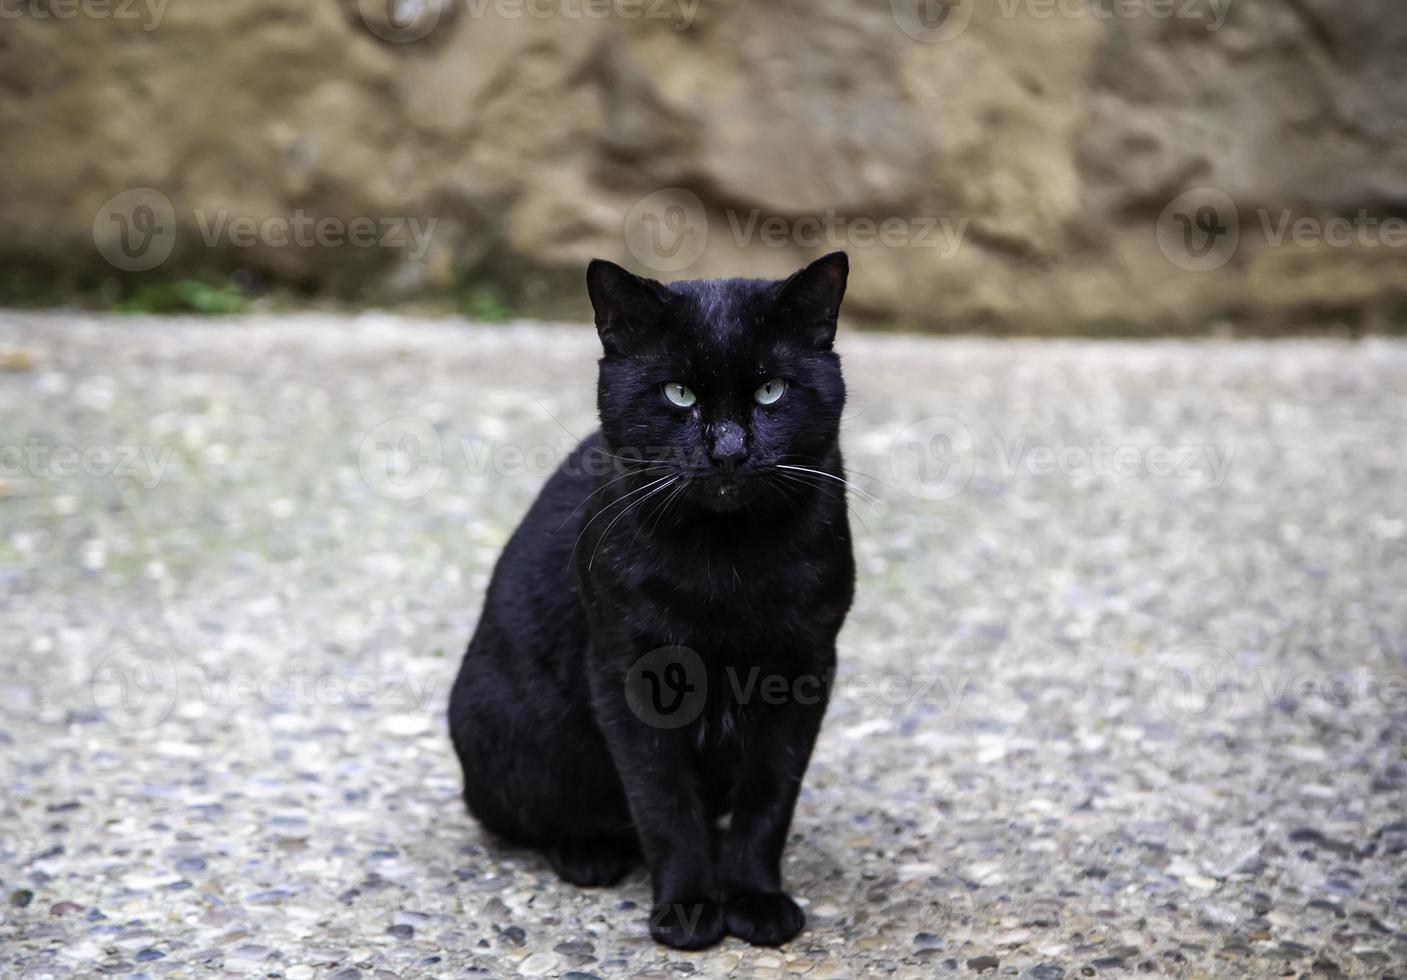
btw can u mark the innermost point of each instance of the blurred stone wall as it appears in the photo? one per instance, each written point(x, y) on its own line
point(1013, 164)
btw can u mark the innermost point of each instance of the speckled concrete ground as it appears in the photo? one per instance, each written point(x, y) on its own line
point(1124, 691)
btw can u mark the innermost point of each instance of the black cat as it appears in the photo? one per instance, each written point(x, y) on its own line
point(658, 639)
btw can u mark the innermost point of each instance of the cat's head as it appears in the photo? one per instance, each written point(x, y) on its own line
point(722, 381)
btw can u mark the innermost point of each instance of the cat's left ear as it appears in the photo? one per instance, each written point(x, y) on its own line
point(809, 302)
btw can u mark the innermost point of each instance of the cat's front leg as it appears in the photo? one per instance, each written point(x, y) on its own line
point(657, 769)
point(757, 910)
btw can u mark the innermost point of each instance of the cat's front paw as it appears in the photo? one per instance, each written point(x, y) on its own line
point(687, 923)
point(767, 919)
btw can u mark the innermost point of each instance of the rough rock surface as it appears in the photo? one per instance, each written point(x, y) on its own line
point(1099, 714)
point(1025, 153)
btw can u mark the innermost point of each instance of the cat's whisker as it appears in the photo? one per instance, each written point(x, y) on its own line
point(641, 525)
point(614, 503)
point(604, 534)
point(870, 476)
point(850, 470)
point(641, 460)
point(852, 500)
point(830, 490)
point(665, 506)
point(814, 484)
point(860, 494)
point(603, 487)
point(831, 476)
point(656, 514)
point(782, 489)
point(559, 422)
point(861, 518)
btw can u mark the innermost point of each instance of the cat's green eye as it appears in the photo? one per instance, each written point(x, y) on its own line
point(770, 391)
point(679, 394)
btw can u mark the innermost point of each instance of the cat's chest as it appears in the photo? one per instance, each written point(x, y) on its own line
point(737, 607)
point(723, 584)
point(772, 592)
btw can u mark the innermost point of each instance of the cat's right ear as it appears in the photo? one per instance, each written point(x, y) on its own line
point(629, 308)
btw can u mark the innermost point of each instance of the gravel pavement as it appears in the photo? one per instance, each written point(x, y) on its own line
point(1124, 690)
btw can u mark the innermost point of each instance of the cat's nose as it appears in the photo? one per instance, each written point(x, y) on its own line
point(729, 446)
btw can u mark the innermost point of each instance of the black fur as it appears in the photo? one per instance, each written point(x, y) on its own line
point(744, 564)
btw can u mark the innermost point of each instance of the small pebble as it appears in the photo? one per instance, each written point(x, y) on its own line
point(537, 964)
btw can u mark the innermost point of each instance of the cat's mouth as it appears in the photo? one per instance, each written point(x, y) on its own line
point(722, 493)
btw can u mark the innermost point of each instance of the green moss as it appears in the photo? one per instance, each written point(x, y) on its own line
point(183, 296)
point(486, 303)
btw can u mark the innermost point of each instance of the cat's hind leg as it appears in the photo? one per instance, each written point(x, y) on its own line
point(594, 862)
